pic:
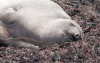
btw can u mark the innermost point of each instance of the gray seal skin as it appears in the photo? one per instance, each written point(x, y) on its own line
point(42, 20)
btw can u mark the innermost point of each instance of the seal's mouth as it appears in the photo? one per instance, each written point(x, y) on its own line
point(71, 38)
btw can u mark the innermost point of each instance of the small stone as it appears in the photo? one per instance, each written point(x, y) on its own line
point(56, 57)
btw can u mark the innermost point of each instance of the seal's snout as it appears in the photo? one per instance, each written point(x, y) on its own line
point(78, 36)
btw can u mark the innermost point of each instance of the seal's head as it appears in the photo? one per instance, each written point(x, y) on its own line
point(72, 31)
point(60, 31)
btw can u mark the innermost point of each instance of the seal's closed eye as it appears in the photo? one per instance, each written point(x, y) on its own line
point(71, 24)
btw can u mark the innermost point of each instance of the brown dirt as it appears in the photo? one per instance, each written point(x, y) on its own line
point(87, 15)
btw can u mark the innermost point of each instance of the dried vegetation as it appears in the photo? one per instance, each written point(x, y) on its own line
point(87, 14)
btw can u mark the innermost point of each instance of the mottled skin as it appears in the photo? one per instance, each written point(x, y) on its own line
point(41, 20)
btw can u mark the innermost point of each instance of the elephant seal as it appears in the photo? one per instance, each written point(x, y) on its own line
point(42, 20)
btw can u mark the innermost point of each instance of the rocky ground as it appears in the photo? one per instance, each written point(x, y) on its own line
point(84, 12)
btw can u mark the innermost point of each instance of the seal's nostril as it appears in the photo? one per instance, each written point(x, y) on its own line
point(77, 36)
